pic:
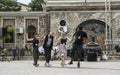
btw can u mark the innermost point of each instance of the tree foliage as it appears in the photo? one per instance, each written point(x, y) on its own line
point(9, 5)
point(10, 32)
point(36, 5)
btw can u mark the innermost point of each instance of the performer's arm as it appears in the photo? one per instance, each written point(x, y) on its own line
point(69, 39)
point(85, 37)
point(57, 40)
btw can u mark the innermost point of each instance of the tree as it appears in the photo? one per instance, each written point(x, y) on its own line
point(10, 33)
point(9, 5)
point(36, 5)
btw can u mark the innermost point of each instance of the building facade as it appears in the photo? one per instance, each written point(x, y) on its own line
point(91, 15)
point(101, 25)
point(31, 22)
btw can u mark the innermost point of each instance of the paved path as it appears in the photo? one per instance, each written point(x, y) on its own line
point(87, 68)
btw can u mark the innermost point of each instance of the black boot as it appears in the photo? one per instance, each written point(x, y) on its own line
point(36, 65)
point(71, 62)
point(78, 65)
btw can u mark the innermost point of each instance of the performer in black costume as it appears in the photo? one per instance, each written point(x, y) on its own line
point(80, 36)
point(48, 44)
point(35, 42)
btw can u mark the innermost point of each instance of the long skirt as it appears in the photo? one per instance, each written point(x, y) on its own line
point(62, 51)
point(79, 51)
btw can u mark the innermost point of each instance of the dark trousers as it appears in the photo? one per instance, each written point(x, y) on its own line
point(22, 52)
point(78, 50)
point(14, 53)
point(47, 54)
point(35, 55)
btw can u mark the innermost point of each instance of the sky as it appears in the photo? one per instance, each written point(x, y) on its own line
point(24, 1)
point(28, 1)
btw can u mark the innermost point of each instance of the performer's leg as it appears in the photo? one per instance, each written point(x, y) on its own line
point(35, 56)
point(47, 56)
point(63, 61)
point(72, 54)
point(79, 54)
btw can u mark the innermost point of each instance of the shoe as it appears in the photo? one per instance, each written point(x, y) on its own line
point(36, 65)
point(78, 65)
point(33, 63)
point(46, 64)
point(49, 65)
point(71, 62)
point(65, 64)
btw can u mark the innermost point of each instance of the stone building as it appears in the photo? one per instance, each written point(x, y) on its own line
point(90, 15)
point(30, 22)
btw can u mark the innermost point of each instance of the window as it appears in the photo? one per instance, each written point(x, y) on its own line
point(9, 36)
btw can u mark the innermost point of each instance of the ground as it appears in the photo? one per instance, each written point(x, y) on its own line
point(87, 68)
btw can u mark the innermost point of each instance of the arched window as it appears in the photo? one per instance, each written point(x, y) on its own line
point(31, 31)
point(94, 27)
point(95, 30)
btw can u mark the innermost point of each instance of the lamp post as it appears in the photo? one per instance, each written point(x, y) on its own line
point(110, 24)
point(106, 20)
point(108, 30)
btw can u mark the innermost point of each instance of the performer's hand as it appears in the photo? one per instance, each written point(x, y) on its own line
point(84, 41)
